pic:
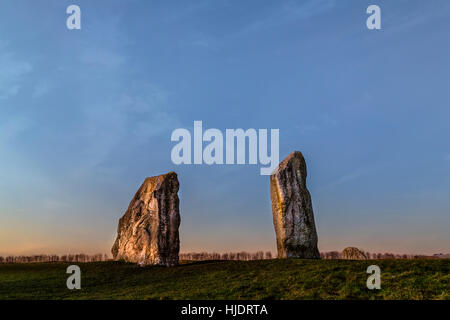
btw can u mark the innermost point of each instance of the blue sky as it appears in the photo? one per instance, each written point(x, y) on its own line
point(86, 115)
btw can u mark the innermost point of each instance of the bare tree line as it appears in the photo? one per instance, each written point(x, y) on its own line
point(337, 255)
point(243, 255)
point(55, 258)
point(260, 255)
point(195, 256)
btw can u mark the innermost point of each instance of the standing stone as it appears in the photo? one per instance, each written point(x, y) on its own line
point(292, 210)
point(352, 253)
point(148, 231)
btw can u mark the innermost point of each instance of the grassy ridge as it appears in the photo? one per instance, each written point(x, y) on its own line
point(264, 279)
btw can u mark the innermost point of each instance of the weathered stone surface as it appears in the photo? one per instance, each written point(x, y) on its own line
point(292, 210)
point(352, 253)
point(148, 231)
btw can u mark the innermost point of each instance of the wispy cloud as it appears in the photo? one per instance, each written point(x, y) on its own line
point(350, 176)
point(183, 10)
point(133, 116)
point(323, 122)
point(201, 43)
point(11, 127)
point(12, 71)
point(41, 89)
point(288, 12)
point(102, 58)
point(399, 21)
point(308, 128)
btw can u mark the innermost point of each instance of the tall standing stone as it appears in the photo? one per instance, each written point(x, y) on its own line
point(292, 210)
point(148, 231)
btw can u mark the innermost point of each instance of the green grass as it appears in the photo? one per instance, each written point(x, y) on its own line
point(265, 279)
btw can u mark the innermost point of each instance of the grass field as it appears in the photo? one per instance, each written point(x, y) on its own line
point(264, 279)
